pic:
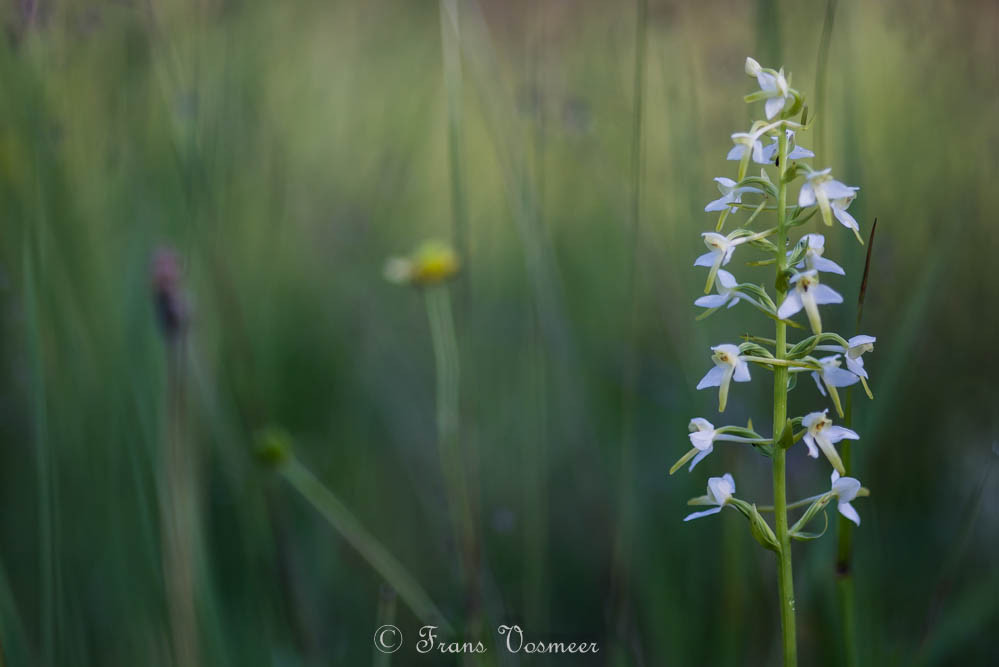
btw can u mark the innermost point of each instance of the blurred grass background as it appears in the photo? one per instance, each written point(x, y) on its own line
point(286, 149)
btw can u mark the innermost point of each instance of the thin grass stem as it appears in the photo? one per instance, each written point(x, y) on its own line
point(452, 460)
point(621, 568)
point(351, 529)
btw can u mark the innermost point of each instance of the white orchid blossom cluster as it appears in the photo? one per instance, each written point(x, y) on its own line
point(800, 295)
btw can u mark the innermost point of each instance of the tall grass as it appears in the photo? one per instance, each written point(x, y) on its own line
point(286, 149)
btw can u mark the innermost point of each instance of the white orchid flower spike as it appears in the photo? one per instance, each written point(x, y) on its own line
point(814, 261)
point(773, 87)
point(821, 434)
point(720, 490)
point(729, 365)
point(853, 354)
point(846, 489)
point(808, 293)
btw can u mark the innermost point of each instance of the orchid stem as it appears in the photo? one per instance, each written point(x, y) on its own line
point(785, 579)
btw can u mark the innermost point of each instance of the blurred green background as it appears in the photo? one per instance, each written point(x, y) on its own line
point(284, 150)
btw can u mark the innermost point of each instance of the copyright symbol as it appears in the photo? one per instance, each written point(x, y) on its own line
point(388, 639)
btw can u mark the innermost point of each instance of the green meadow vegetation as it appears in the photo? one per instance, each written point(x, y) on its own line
point(227, 439)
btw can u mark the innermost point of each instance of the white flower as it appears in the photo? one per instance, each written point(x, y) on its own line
point(730, 195)
point(720, 490)
point(839, 207)
point(720, 253)
point(796, 152)
point(832, 375)
point(720, 249)
point(814, 261)
point(729, 365)
point(773, 86)
point(822, 434)
point(853, 353)
point(703, 435)
point(846, 489)
point(748, 141)
point(832, 198)
point(808, 293)
point(727, 294)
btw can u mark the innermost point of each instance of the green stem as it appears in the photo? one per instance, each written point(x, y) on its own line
point(452, 461)
point(373, 551)
point(386, 616)
point(451, 52)
point(784, 576)
point(624, 537)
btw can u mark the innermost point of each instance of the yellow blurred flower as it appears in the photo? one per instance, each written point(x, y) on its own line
point(432, 262)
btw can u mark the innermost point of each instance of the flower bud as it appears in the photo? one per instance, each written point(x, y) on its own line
point(273, 446)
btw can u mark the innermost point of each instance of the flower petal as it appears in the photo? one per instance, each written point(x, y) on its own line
point(838, 377)
point(825, 294)
point(827, 265)
point(806, 197)
point(799, 153)
point(698, 515)
point(700, 424)
point(845, 219)
point(846, 488)
point(707, 259)
point(726, 279)
point(836, 190)
point(769, 153)
point(730, 481)
point(818, 382)
point(830, 451)
point(856, 366)
point(837, 433)
point(701, 440)
point(700, 457)
point(711, 301)
point(712, 378)
point(847, 510)
point(767, 81)
point(773, 106)
point(791, 305)
point(719, 204)
point(812, 449)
